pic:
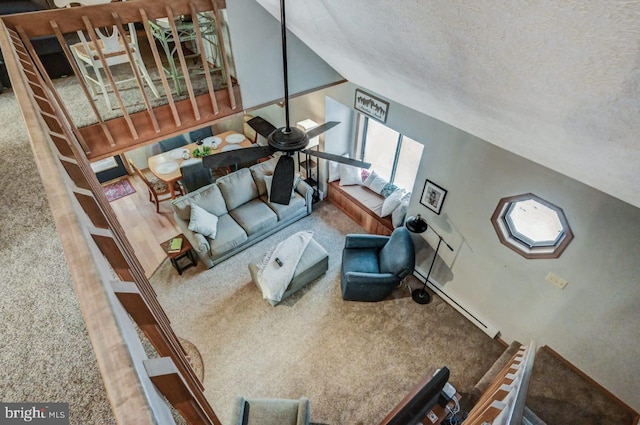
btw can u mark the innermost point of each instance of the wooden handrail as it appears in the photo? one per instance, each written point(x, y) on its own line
point(503, 401)
point(130, 398)
point(96, 247)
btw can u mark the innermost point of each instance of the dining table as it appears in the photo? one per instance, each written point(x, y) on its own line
point(166, 165)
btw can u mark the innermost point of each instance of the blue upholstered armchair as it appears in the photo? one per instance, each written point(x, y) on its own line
point(271, 411)
point(373, 265)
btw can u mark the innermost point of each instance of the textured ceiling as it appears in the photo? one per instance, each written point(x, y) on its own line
point(557, 82)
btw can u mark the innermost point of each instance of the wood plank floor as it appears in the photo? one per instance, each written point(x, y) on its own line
point(145, 228)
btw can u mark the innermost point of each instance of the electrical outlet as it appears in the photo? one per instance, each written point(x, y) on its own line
point(432, 417)
point(556, 280)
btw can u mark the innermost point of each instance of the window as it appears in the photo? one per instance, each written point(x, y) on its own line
point(392, 155)
point(531, 226)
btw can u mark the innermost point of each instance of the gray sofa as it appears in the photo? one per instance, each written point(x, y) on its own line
point(245, 216)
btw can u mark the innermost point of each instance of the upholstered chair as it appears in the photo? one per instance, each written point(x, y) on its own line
point(373, 265)
point(172, 143)
point(271, 411)
point(194, 175)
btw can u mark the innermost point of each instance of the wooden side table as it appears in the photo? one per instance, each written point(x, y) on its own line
point(182, 259)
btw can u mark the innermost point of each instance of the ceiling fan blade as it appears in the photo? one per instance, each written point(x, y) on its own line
point(337, 158)
point(282, 183)
point(237, 156)
point(261, 126)
point(316, 131)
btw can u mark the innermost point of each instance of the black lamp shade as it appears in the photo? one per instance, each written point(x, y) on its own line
point(416, 224)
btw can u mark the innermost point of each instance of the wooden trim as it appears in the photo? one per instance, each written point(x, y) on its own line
point(586, 377)
point(358, 212)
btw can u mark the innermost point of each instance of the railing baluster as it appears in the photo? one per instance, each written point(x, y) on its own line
point(183, 62)
point(158, 61)
point(81, 80)
point(225, 61)
point(136, 73)
point(203, 57)
point(94, 39)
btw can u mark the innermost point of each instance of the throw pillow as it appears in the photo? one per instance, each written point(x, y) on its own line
point(375, 182)
point(334, 170)
point(350, 175)
point(269, 179)
point(391, 202)
point(398, 215)
point(388, 189)
point(203, 222)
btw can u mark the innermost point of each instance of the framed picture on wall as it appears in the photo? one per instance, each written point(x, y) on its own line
point(371, 106)
point(433, 196)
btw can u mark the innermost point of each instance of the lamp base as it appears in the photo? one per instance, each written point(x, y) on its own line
point(421, 296)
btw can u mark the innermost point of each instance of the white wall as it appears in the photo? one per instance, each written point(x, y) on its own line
point(255, 39)
point(594, 322)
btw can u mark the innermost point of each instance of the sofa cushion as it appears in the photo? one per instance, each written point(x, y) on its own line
point(203, 222)
point(254, 216)
point(230, 236)
point(285, 211)
point(208, 198)
point(237, 188)
point(259, 171)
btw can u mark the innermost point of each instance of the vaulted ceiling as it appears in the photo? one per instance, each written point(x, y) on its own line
point(557, 82)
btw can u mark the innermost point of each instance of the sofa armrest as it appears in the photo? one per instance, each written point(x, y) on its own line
point(368, 279)
point(197, 241)
point(365, 241)
point(306, 191)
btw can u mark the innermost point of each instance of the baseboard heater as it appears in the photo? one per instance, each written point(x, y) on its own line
point(487, 328)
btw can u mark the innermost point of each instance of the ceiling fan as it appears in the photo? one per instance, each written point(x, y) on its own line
point(286, 139)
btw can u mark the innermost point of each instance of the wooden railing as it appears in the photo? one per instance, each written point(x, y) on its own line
point(503, 402)
point(112, 288)
point(153, 119)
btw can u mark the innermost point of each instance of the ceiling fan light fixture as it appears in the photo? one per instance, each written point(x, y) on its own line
point(292, 140)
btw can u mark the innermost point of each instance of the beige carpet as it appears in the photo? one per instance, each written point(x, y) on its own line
point(45, 353)
point(353, 360)
point(560, 396)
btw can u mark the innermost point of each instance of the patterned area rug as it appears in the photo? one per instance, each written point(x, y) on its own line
point(118, 189)
point(194, 357)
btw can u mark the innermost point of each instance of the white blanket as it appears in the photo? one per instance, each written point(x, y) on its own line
point(274, 278)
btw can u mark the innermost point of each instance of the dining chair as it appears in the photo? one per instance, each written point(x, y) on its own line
point(200, 133)
point(156, 187)
point(249, 132)
point(112, 45)
point(194, 175)
point(172, 143)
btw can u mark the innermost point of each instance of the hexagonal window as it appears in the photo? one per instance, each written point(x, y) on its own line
point(531, 226)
